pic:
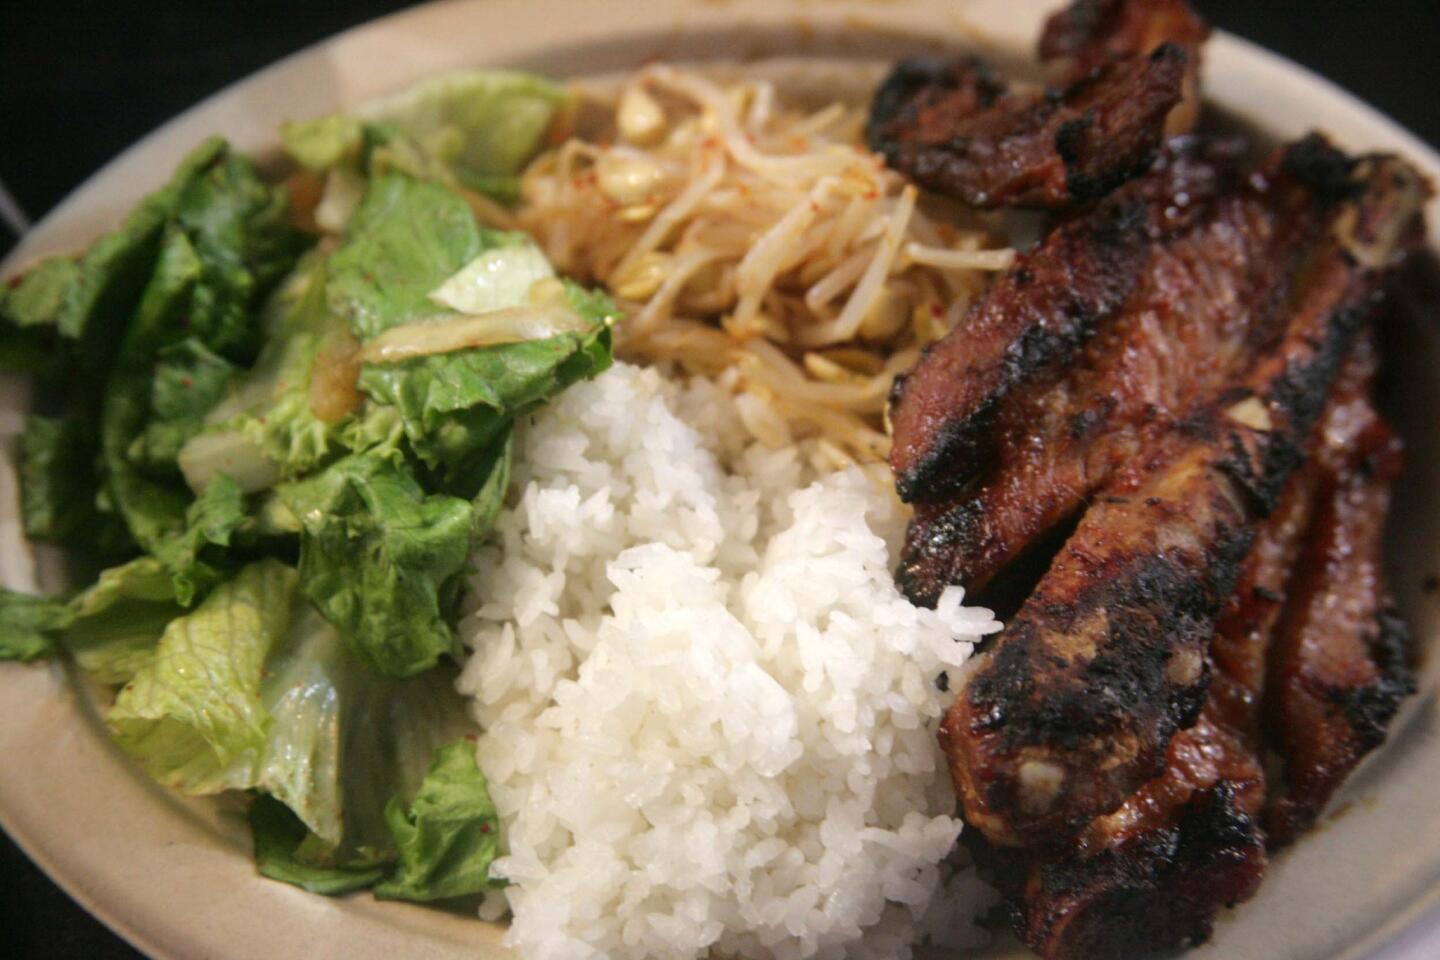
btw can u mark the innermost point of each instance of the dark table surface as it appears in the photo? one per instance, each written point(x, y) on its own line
point(80, 81)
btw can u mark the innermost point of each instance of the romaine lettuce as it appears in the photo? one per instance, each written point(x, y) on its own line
point(378, 556)
point(474, 128)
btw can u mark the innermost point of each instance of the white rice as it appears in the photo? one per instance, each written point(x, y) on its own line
point(709, 715)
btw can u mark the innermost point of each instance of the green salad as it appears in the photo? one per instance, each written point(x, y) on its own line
point(272, 436)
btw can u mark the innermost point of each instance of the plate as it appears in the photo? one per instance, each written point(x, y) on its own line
point(175, 877)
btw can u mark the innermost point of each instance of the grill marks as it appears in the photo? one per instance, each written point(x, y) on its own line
point(955, 129)
point(1153, 874)
point(1074, 707)
point(1208, 299)
point(1340, 665)
point(1035, 318)
point(1121, 69)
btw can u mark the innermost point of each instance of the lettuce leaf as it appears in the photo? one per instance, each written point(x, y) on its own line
point(188, 555)
point(472, 128)
point(189, 380)
point(59, 488)
point(441, 843)
point(28, 625)
point(502, 275)
point(116, 268)
point(449, 835)
point(454, 405)
point(279, 835)
point(192, 716)
point(408, 237)
point(225, 241)
point(116, 624)
point(377, 557)
point(265, 428)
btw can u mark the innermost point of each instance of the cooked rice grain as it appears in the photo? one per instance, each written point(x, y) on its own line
point(709, 714)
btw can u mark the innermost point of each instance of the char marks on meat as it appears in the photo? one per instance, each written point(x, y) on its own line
point(1122, 67)
point(952, 130)
point(1340, 664)
point(1038, 315)
point(1075, 705)
point(1165, 402)
point(1152, 875)
point(1208, 298)
point(1091, 33)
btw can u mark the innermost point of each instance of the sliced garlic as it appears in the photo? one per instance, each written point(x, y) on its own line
point(1251, 412)
point(627, 179)
point(640, 117)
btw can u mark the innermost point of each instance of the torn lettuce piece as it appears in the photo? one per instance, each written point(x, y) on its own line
point(192, 716)
point(455, 404)
point(441, 843)
point(226, 241)
point(449, 834)
point(28, 625)
point(209, 521)
point(240, 229)
point(40, 296)
point(116, 268)
point(269, 425)
point(189, 380)
point(323, 142)
point(279, 835)
point(255, 690)
point(406, 239)
point(377, 557)
point(153, 510)
point(472, 128)
point(501, 276)
point(118, 621)
point(59, 488)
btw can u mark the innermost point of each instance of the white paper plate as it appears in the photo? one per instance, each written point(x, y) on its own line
point(176, 879)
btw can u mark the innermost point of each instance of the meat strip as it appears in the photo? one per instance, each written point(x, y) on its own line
point(1152, 875)
point(1074, 706)
point(1209, 298)
point(1340, 665)
point(958, 130)
point(1091, 33)
point(1038, 315)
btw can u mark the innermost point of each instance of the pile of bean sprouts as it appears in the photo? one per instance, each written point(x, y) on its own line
point(747, 238)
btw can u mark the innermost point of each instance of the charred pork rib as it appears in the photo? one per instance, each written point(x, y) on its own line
point(1073, 708)
point(1153, 874)
point(1038, 315)
point(1340, 664)
point(1210, 297)
point(958, 129)
point(1089, 34)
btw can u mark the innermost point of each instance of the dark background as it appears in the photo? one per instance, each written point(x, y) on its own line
point(80, 81)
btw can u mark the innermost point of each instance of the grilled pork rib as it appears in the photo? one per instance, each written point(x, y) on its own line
point(957, 130)
point(1074, 706)
point(1340, 664)
point(1091, 33)
point(1122, 67)
point(1152, 875)
point(1038, 315)
point(1210, 297)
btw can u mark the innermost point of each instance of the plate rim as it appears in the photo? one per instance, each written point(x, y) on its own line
point(1412, 932)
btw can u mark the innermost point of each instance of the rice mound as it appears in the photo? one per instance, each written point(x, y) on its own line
point(709, 714)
